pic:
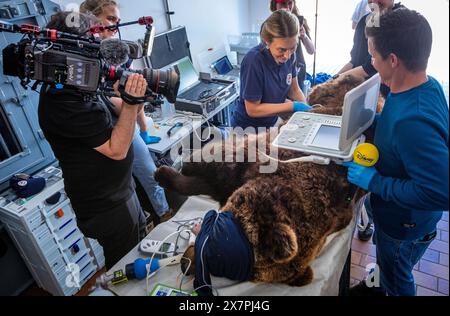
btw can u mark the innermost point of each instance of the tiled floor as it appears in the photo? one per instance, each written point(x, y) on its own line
point(431, 273)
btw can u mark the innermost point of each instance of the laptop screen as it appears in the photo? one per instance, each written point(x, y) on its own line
point(223, 66)
point(188, 75)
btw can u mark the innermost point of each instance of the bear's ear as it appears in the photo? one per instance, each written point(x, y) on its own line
point(281, 244)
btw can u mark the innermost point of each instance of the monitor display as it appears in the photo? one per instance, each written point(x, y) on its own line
point(165, 247)
point(223, 66)
point(327, 137)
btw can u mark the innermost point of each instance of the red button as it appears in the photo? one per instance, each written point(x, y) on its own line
point(60, 213)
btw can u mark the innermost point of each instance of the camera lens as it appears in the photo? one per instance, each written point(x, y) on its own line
point(164, 82)
point(161, 82)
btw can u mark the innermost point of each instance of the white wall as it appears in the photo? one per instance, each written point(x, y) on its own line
point(437, 14)
point(259, 11)
point(208, 22)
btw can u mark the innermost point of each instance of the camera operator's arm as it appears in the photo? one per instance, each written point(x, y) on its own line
point(141, 120)
point(118, 145)
point(117, 102)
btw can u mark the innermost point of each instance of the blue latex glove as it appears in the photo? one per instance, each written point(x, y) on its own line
point(360, 175)
point(150, 139)
point(301, 107)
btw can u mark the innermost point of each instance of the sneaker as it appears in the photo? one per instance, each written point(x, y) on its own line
point(361, 289)
point(167, 216)
point(366, 235)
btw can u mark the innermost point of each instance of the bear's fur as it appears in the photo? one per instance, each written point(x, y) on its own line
point(288, 215)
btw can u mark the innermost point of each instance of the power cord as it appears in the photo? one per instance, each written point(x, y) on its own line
point(149, 273)
point(311, 159)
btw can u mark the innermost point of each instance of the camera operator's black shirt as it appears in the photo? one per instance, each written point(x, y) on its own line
point(74, 127)
point(360, 51)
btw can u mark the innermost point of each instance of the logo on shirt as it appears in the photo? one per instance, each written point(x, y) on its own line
point(289, 79)
point(22, 183)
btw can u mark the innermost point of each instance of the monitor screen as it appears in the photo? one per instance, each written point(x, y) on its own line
point(223, 66)
point(165, 247)
point(327, 137)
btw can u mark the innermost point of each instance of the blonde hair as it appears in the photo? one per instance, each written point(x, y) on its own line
point(95, 7)
point(281, 24)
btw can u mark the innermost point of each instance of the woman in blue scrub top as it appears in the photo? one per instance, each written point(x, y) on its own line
point(269, 85)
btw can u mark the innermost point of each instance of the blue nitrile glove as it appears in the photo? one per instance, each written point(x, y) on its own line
point(360, 175)
point(301, 107)
point(150, 139)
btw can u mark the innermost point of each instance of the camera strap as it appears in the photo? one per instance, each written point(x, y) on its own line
point(130, 99)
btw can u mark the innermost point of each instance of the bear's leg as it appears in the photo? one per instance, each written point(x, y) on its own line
point(170, 179)
point(343, 219)
point(293, 273)
point(303, 277)
point(276, 273)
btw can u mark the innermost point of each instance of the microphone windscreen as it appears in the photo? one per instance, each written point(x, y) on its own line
point(114, 51)
point(135, 49)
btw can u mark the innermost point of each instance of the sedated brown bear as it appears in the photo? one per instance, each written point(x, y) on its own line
point(287, 215)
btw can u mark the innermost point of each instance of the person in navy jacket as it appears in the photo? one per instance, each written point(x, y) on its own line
point(269, 84)
point(409, 185)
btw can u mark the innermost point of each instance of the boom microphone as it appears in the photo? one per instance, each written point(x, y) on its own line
point(114, 51)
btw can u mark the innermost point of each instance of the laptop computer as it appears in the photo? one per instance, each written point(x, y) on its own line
point(224, 67)
point(334, 137)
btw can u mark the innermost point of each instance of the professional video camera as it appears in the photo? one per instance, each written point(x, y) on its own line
point(81, 62)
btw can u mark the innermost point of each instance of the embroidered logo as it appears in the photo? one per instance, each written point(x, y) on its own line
point(289, 79)
point(22, 183)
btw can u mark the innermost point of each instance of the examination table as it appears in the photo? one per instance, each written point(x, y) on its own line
point(331, 268)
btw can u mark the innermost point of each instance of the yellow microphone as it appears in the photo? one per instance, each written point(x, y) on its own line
point(366, 155)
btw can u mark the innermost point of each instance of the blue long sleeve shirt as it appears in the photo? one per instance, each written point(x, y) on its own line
point(411, 190)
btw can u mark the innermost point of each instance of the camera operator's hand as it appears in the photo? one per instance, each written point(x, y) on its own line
point(136, 86)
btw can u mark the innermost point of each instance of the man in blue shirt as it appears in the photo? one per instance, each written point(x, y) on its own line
point(269, 75)
point(409, 186)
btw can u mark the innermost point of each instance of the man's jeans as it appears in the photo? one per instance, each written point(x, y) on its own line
point(396, 259)
point(144, 170)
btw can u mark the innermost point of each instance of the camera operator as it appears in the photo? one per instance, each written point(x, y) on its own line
point(96, 156)
point(144, 168)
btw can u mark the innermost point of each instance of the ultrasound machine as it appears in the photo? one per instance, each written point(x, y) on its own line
point(333, 137)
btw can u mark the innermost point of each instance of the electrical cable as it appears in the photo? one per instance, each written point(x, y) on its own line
point(311, 159)
point(149, 274)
